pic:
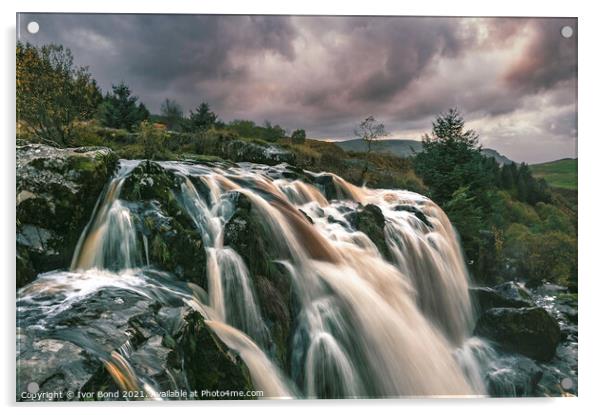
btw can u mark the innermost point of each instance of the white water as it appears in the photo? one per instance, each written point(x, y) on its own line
point(366, 327)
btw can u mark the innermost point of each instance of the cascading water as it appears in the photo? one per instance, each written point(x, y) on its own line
point(368, 323)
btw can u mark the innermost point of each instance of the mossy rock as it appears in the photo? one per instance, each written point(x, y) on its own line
point(174, 244)
point(57, 189)
point(530, 331)
point(168, 345)
point(246, 233)
point(370, 220)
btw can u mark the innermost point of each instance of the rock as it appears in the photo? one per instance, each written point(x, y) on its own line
point(515, 291)
point(417, 212)
point(370, 220)
point(239, 150)
point(513, 376)
point(116, 338)
point(486, 298)
point(530, 331)
point(325, 182)
point(57, 189)
point(245, 232)
point(173, 242)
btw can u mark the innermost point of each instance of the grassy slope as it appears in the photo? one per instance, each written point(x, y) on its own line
point(559, 173)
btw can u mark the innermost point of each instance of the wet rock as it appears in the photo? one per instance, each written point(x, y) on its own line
point(239, 150)
point(325, 182)
point(371, 221)
point(116, 339)
point(417, 212)
point(513, 376)
point(173, 243)
point(529, 331)
point(246, 233)
point(56, 193)
point(515, 291)
point(486, 298)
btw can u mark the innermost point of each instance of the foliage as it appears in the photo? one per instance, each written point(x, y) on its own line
point(451, 159)
point(52, 93)
point(249, 129)
point(298, 136)
point(510, 224)
point(152, 140)
point(120, 109)
point(202, 118)
point(172, 114)
point(370, 131)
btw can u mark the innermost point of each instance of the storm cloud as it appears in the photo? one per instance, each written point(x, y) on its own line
point(514, 79)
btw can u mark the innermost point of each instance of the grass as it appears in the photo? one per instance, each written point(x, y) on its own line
point(560, 173)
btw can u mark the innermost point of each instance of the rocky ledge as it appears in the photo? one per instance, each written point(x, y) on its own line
point(56, 193)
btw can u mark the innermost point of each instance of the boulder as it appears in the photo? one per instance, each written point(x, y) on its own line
point(57, 189)
point(486, 298)
point(514, 375)
point(370, 220)
point(530, 331)
point(173, 243)
point(417, 212)
point(116, 339)
point(515, 291)
point(247, 234)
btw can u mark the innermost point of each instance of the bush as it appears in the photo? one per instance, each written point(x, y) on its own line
point(152, 139)
point(298, 137)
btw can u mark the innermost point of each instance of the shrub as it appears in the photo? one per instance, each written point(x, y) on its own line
point(152, 139)
point(298, 137)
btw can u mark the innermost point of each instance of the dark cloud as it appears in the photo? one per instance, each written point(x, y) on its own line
point(512, 77)
point(548, 58)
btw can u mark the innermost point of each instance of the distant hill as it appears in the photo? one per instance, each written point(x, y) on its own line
point(405, 148)
point(560, 173)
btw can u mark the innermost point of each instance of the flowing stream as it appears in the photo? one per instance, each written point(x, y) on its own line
point(368, 323)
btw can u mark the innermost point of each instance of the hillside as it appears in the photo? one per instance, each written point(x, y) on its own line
point(560, 173)
point(405, 148)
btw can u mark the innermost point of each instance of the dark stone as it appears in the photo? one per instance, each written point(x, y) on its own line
point(486, 298)
point(57, 190)
point(529, 331)
point(169, 346)
point(325, 182)
point(417, 212)
point(514, 291)
point(514, 376)
point(370, 220)
point(174, 244)
point(246, 233)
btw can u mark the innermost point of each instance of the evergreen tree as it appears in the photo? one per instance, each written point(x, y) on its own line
point(202, 118)
point(121, 110)
point(451, 158)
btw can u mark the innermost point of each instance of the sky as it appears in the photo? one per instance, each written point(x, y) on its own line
point(513, 79)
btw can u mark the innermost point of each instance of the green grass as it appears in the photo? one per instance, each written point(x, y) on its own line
point(559, 173)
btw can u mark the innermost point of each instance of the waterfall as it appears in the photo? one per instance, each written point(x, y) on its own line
point(367, 323)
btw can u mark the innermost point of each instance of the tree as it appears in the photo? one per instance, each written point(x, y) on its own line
point(121, 110)
point(52, 93)
point(451, 158)
point(202, 118)
point(298, 136)
point(152, 140)
point(172, 114)
point(370, 131)
point(272, 132)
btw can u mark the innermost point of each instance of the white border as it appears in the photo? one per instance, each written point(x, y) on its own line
point(590, 154)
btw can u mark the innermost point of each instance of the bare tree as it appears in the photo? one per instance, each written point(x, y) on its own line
point(370, 131)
